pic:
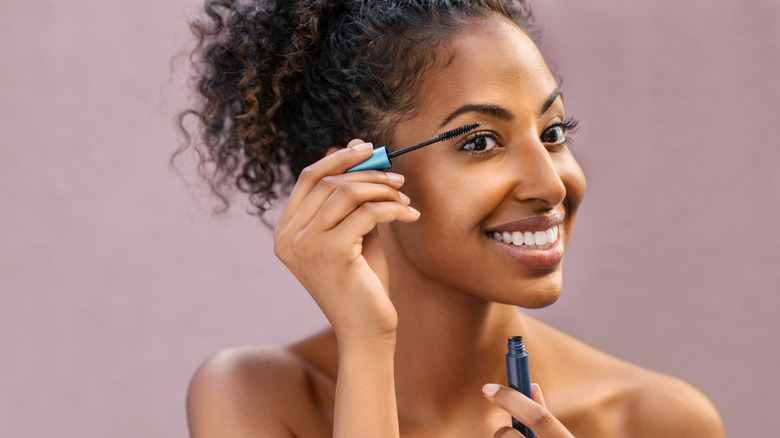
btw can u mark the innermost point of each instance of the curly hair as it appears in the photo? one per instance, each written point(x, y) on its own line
point(281, 81)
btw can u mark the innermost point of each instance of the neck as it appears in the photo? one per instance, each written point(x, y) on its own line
point(449, 344)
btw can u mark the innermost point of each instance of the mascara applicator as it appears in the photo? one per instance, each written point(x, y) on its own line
point(380, 158)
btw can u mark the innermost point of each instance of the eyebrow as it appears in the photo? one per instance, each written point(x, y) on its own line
point(496, 111)
point(550, 100)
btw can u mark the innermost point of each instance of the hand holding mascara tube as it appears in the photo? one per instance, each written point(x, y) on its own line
point(518, 398)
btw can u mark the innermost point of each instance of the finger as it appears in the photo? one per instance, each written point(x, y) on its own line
point(536, 394)
point(349, 196)
point(351, 144)
point(525, 410)
point(345, 242)
point(354, 142)
point(310, 206)
point(366, 217)
point(332, 164)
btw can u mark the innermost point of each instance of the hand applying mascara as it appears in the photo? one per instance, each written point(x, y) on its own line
point(380, 158)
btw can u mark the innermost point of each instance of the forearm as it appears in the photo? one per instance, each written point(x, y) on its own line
point(365, 390)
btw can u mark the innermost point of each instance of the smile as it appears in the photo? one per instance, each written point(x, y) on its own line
point(528, 239)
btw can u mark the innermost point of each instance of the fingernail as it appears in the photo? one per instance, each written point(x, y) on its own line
point(490, 389)
point(363, 147)
point(413, 210)
point(395, 177)
point(404, 197)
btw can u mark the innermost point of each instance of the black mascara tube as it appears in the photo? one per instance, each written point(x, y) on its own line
point(519, 376)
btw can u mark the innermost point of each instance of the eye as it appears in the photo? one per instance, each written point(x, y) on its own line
point(555, 135)
point(479, 142)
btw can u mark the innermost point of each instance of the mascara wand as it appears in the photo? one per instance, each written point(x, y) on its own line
point(380, 158)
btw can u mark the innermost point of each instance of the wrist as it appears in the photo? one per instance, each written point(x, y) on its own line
point(377, 344)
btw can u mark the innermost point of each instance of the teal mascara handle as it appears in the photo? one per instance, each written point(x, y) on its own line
point(377, 161)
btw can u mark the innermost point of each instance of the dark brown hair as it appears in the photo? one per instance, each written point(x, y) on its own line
point(280, 82)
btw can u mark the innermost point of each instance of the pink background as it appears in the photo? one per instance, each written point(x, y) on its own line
point(115, 282)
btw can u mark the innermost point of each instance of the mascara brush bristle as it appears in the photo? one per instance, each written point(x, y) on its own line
point(458, 131)
point(444, 136)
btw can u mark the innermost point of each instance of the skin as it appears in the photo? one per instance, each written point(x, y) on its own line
point(421, 299)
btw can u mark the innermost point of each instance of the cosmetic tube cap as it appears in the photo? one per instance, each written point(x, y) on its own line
point(377, 161)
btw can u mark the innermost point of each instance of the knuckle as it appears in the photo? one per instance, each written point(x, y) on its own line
point(308, 172)
point(345, 189)
point(541, 418)
point(330, 183)
point(369, 208)
point(300, 248)
point(284, 248)
point(279, 251)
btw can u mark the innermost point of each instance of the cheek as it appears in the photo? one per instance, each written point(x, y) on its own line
point(454, 202)
point(449, 217)
point(442, 211)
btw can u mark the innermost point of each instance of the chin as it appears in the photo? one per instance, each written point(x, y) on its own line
point(535, 296)
point(542, 300)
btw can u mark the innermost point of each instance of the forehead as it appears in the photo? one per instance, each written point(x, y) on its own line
point(492, 61)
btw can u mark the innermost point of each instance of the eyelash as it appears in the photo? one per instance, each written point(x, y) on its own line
point(474, 136)
point(570, 126)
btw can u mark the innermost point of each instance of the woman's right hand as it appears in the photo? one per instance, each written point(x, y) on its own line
point(326, 236)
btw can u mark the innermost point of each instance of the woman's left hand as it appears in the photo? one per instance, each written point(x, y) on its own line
point(532, 413)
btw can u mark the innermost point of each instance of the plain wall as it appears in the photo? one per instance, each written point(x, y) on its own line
point(116, 282)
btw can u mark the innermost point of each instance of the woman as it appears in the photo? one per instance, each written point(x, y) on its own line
point(419, 269)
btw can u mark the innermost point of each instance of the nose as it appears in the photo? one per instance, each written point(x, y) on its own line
point(536, 177)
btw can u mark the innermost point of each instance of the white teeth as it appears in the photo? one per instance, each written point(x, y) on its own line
point(517, 238)
point(534, 239)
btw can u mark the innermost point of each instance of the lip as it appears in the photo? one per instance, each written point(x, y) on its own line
point(530, 257)
point(534, 258)
point(537, 223)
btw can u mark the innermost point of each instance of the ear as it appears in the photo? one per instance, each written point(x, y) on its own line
point(352, 143)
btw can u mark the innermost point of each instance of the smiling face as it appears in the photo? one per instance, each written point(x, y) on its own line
point(497, 204)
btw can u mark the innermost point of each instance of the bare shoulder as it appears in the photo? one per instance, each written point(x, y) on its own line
point(660, 405)
point(237, 392)
point(253, 391)
point(601, 395)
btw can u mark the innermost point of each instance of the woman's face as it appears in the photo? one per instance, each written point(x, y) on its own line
point(510, 179)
